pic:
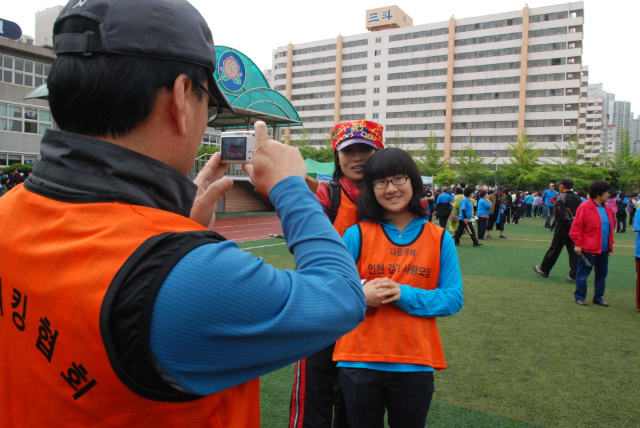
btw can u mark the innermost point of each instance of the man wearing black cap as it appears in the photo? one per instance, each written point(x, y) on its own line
point(119, 307)
point(497, 213)
point(567, 204)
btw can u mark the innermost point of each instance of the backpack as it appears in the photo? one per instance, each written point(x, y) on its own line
point(622, 207)
point(335, 195)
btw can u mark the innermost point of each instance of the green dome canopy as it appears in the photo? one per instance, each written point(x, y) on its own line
point(249, 93)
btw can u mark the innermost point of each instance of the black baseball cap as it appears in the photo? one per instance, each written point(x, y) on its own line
point(567, 182)
point(161, 29)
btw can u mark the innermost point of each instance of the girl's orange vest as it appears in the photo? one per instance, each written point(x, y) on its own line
point(58, 262)
point(347, 213)
point(389, 334)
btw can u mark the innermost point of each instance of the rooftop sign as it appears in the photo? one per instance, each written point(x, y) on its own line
point(384, 18)
point(10, 30)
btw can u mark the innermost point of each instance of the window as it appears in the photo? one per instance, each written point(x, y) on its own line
point(376, 103)
point(378, 39)
point(377, 77)
point(23, 72)
point(376, 90)
point(30, 120)
point(378, 52)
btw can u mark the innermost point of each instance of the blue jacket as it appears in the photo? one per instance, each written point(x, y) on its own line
point(466, 209)
point(484, 207)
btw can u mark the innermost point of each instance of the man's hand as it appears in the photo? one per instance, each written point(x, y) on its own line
point(272, 161)
point(578, 250)
point(371, 295)
point(212, 186)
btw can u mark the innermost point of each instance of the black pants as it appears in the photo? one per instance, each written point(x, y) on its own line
point(443, 221)
point(492, 220)
point(559, 241)
point(482, 226)
point(405, 395)
point(517, 212)
point(621, 219)
point(317, 393)
point(527, 210)
point(461, 228)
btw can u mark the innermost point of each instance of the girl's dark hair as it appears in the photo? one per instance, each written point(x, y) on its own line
point(337, 170)
point(384, 163)
point(109, 95)
point(481, 194)
point(598, 187)
point(468, 191)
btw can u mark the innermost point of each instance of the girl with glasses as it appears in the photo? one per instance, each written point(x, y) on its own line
point(411, 276)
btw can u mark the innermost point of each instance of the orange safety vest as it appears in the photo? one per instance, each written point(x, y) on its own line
point(347, 213)
point(58, 263)
point(388, 334)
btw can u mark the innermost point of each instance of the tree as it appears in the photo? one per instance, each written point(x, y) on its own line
point(625, 165)
point(303, 139)
point(469, 166)
point(446, 178)
point(430, 161)
point(206, 148)
point(573, 165)
point(322, 154)
point(521, 171)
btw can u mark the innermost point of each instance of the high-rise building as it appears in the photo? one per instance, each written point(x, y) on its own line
point(634, 135)
point(483, 80)
point(622, 117)
point(23, 67)
point(44, 25)
point(599, 119)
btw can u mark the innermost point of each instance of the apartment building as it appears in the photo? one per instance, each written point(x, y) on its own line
point(598, 118)
point(23, 67)
point(481, 81)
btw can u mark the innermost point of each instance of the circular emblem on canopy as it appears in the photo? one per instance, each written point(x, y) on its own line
point(231, 71)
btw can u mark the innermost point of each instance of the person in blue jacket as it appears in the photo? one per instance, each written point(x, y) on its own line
point(549, 197)
point(484, 207)
point(444, 204)
point(464, 219)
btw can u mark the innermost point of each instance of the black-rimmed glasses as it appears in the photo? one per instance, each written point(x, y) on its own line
point(211, 100)
point(396, 181)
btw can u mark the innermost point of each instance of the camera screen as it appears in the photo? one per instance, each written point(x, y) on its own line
point(233, 148)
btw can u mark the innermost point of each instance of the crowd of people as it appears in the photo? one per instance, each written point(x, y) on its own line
point(583, 223)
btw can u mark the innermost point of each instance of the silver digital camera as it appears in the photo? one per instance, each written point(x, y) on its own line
point(237, 146)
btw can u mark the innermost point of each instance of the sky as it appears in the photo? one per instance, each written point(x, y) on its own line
point(256, 28)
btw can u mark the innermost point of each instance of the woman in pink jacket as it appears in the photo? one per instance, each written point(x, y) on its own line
point(592, 233)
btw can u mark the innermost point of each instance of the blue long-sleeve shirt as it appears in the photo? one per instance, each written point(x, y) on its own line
point(444, 198)
point(445, 299)
point(223, 317)
point(466, 209)
point(484, 207)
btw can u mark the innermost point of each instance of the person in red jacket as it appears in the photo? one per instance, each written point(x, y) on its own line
point(316, 397)
point(592, 233)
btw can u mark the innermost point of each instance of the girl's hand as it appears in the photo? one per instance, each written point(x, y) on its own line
point(388, 290)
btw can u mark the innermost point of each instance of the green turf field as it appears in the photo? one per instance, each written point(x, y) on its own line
point(520, 353)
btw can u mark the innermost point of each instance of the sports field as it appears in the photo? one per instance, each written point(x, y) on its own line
point(520, 353)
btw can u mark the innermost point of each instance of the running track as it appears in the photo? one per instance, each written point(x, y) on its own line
point(242, 229)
